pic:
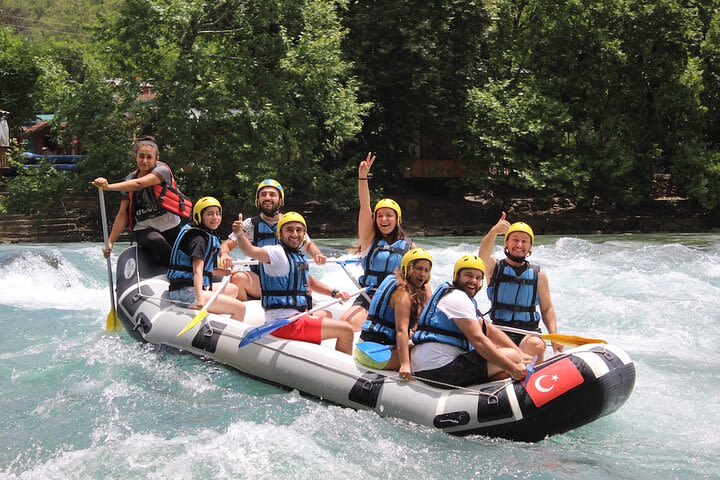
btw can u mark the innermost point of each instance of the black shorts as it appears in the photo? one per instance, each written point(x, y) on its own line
point(467, 369)
point(361, 301)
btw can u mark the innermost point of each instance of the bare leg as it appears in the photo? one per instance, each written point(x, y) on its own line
point(226, 304)
point(533, 346)
point(497, 373)
point(248, 285)
point(355, 316)
point(338, 329)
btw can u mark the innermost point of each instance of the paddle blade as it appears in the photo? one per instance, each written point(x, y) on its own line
point(262, 330)
point(376, 352)
point(570, 340)
point(111, 323)
point(197, 319)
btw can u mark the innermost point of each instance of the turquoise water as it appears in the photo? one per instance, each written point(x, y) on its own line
point(76, 402)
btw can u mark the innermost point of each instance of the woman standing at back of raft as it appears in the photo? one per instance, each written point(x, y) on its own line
point(149, 203)
point(382, 244)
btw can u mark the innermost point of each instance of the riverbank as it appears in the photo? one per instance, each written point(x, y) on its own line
point(424, 214)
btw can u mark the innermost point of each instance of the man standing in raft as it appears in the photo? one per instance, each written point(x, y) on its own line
point(516, 288)
point(261, 230)
point(286, 285)
point(454, 345)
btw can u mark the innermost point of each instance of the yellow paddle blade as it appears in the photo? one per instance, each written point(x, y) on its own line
point(197, 319)
point(111, 323)
point(570, 340)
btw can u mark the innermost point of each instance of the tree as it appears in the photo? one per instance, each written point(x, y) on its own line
point(244, 90)
point(18, 76)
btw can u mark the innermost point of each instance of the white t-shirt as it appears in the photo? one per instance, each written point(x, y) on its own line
point(278, 266)
point(249, 231)
point(428, 356)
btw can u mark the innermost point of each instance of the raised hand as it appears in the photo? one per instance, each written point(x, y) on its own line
point(365, 165)
point(237, 226)
point(502, 226)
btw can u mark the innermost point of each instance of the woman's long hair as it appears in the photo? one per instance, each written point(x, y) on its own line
point(418, 296)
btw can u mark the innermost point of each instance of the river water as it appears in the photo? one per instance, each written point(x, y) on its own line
point(76, 402)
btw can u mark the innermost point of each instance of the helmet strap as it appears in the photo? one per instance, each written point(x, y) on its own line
point(514, 258)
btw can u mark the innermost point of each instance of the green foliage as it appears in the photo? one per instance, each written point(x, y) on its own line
point(18, 77)
point(35, 190)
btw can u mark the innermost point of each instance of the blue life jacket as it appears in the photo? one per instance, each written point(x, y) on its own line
point(380, 324)
point(288, 291)
point(514, 295)
point(435, 326)
point(181, 262)
point(263, 234)
point(382, 260)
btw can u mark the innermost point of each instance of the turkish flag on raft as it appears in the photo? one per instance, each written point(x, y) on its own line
point(552, 381)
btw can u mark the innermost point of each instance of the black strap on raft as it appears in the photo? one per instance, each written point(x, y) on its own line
point(367, 389)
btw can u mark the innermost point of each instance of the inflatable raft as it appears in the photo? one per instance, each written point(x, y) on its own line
point(565, 392)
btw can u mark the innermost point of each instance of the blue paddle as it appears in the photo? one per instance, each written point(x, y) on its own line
point(377, 352)
point(259, 332)
point(529, 370)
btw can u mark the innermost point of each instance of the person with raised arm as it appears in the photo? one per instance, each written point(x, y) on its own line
point(381, 243)
point(393, 314)
point(454, 345)
point(151, 206)
point(286, 285)
point(516, 288)
point(261, 230)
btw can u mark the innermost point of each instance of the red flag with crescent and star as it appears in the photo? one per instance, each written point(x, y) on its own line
point(552, 381)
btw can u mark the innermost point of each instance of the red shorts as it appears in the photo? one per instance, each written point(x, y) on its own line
point(305, 329)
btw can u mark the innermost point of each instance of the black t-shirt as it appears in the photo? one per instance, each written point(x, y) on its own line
point(193, 244)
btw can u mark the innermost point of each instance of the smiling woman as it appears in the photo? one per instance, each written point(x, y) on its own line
point(151, 206)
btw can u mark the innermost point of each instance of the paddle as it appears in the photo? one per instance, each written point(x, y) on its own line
point(242, 263)
point(567, 340)
point(529, 370)
point(377, 352)
point(259, 332)
point(111, 323)
point(204, 310)
point(342, 264)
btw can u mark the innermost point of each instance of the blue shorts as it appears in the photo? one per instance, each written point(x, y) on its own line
point(185, 296)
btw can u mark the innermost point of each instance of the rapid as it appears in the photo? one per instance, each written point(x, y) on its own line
point(77, 402)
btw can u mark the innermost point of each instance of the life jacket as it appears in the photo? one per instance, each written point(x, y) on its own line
point(181, 262)
point(290, 291)
point(514, 296)
point(382, 260)
point(263, 234)
point(166, 198)
point(380, 323)
point(435, 326)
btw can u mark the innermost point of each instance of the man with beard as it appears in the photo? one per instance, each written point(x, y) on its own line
point(454, 345)
point(261, 230)
point(287, 285)
point(516, 288)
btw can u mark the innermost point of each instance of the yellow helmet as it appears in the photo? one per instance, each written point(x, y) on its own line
point(413, 256)
point(468, 261)
point(391, 204)
point(269, 182)
point(290, 217)
point(201, 205)
point(521, 227)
